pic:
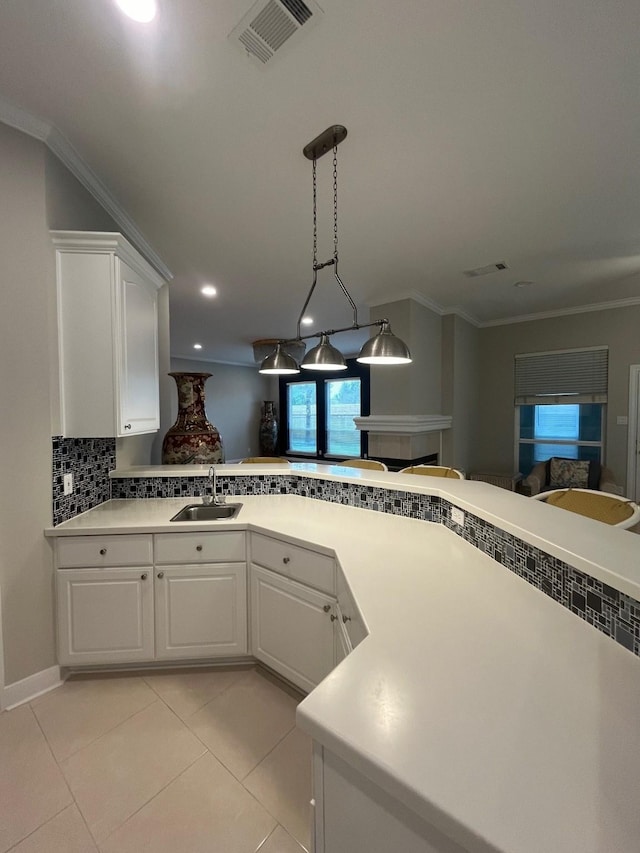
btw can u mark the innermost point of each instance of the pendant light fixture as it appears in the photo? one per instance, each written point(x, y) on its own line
point(384, 347)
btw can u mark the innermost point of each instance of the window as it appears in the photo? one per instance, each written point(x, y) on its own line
point(319, 413)
point(560, 402)
point(572, 431)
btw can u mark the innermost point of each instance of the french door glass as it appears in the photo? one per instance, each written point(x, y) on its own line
point(301, 418)
point(342, 405)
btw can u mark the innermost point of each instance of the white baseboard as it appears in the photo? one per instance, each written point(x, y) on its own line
point(28, 688)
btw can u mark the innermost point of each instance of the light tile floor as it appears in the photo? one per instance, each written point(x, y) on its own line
point(199, 761)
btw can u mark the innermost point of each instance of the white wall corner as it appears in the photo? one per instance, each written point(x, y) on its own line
point(403, 424)
point(58, 144)
point(28, 688)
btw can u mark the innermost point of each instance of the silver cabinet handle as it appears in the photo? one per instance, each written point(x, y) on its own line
point(143, 576)
point(160, 574)
point(286, 560)
point(103, 551)
point(346, 619)
point(326, 608)
point(198, 547)
point(127, 426)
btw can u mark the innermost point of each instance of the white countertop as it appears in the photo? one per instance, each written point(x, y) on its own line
point(484, 706)
point(609, 554)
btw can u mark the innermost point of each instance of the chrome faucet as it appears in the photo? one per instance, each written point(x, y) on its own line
point(213, 497)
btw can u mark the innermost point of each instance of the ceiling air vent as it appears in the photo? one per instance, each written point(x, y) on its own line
point(269, 24)
point(501, 265)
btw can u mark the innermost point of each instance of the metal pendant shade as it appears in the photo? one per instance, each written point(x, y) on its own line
point(384, 348)
point(324, 356)
point(279, 362)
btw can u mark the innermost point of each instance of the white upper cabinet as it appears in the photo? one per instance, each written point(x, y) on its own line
point(107, 336)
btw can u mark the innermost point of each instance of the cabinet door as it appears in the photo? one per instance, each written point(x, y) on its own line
point(201, 611)
point(137, 353)
point(291, 628)
point(105, 615)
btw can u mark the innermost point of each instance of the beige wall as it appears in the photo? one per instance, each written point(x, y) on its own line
point(619, 329)
point(38, 194)
point(26, 284)
point(413, 389)
point(460, 392)
point(234, 396)
point(70, 207)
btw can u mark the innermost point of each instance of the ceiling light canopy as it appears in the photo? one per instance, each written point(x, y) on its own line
point(142, 11)
point(384, 347)
point(208, 290)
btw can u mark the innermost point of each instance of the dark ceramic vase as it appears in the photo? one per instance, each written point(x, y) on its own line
point(268, 430)
point(192, 439)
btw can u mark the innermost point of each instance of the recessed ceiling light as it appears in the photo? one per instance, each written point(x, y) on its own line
point(307, 321)
point(208, 290)
point(523, 284)
point(197, 346)
point(142, 11)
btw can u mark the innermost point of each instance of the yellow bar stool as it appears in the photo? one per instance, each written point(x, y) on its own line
point(434, 471)
point(370, 464)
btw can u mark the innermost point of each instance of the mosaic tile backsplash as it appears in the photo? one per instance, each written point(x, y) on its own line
point(89, 460)
point(610, 611)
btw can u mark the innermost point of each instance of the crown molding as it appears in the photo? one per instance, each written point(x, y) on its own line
point(403, 424)
point(563, 312)
point(504, 321)
point(421, 299)
point(415, 295)
point(59, 145)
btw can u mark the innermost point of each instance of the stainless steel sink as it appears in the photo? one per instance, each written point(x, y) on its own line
point(207, 512)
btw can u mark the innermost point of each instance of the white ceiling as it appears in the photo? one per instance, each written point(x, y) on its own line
point(479, 131)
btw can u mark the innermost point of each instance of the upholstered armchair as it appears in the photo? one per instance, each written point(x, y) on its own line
point(540, 478)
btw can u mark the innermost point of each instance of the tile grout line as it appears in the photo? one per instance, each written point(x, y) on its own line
point(146, 803)
point(264, 757)
point(224, 690)
point(33, 831)
point(75, 802)
point(106, 732)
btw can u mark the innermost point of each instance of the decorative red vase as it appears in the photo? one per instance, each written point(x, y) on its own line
point(192, 439)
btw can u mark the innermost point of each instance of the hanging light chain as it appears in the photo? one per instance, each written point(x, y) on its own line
point(335, 200)
point(315, 216)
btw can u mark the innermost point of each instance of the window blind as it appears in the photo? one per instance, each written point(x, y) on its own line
point(564, 376)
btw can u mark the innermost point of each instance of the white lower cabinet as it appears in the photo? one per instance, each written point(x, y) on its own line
point(128, 598)
point(201, 611)
point(351, 813)
point(291, 628)
point(105, 615)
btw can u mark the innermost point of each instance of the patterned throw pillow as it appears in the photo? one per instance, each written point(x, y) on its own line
point(568, 474)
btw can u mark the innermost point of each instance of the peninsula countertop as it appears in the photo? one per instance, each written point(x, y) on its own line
point(488, 709)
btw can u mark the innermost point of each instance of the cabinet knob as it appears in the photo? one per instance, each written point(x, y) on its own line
point(326, 608)
point(127, 426)
point(286, 560)
point(160, 574)
point(346, 619)
point(198, 547)
point(333, 617)
point(143, 576)
point(103, 551)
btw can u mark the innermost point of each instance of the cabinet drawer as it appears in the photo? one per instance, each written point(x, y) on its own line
point(222, 547)
point(301, 564)
point(90, 551)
